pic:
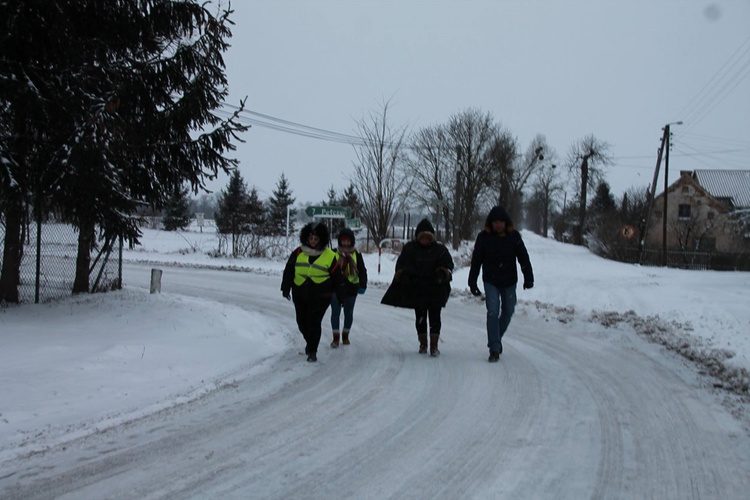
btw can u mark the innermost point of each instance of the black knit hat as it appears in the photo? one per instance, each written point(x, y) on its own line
point(346, 233)
point(318, 229)
point(498, 212)
point(425, 226)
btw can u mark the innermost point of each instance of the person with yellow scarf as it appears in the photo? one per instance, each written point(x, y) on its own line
point(354, 275)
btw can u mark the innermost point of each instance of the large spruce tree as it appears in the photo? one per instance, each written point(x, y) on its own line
point(105, 106)
point(281, 198)
point(177, 212)
point(234, 216)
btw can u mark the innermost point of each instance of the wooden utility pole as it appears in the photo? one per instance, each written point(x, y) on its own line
point(644, 230)
point(663, 150)
point(666, 191)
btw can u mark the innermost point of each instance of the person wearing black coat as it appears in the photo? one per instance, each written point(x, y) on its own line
point(311, 277)
point(422, 282)
point(496, 250)
point(354, 275)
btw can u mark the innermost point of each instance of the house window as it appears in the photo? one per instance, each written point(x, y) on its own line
point(683, 211)
point(710, 215)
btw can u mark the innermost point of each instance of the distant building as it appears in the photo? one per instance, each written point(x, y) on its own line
point(707, 210)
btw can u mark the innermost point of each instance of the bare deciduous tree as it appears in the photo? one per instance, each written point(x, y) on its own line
point(738, 222)
point(502, 155)
point(586, 159)
point(379, 177)
point(546, 186)
point(472, 134)
point(523, 168)
point(692, 231)
point(431, 165)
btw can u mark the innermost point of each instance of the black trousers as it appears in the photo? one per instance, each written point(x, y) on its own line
point(310, 312)
point(433, 313)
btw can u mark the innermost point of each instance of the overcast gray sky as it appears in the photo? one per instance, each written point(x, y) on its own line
point(619, 70)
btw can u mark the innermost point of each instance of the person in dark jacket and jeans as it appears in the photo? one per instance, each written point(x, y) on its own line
point(496, 250)
point(311, 277)
point(422, 282)
point(354, 274)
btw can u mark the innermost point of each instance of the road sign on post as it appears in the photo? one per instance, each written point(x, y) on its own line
point(329, 212)
point(353, 223)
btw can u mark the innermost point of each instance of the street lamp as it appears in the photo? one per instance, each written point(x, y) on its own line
point(667, 145)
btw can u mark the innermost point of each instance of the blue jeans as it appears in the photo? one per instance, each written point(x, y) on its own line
point(501, 303)
point(348, 311)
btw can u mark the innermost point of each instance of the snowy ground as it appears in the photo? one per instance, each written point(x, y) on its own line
point(89, 366)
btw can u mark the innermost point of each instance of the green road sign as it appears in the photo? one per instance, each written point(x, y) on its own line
point(329, 212)
point(353, 223)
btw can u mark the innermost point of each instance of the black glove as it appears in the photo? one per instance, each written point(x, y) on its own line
point(475, 290)
point(528, 284)
point(438, 276)
point(286, 295)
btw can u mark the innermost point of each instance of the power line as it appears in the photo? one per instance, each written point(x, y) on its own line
point(718, 86)
point(717, 98)
point(281, 125)
point(291, 127)
point(711, 155)
point(715, 140)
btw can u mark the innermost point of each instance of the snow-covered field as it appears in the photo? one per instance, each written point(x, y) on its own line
point(84, 365)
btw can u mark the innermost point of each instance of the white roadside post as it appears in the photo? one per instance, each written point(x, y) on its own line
point(199, 220)
point(288, 209)
point(155, 280)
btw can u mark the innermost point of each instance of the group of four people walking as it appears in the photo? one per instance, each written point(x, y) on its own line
point(317, 276)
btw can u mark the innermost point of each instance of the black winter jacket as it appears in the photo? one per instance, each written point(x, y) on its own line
point(310, 290)
point(422, 279)
point(497, 254)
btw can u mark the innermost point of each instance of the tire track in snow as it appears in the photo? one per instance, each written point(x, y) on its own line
point(570, 412)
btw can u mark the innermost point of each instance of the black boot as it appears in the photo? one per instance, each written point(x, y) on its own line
point(422, 343)
point(434, 345)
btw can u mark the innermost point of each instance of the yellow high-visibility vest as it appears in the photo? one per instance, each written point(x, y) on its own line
point(318, 271)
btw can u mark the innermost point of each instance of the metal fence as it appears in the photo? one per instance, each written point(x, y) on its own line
point(48, 262)
point(692, 260)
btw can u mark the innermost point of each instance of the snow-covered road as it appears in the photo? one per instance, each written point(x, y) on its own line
point(568, 413)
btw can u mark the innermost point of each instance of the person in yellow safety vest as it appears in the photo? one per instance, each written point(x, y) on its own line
point(355, 283)
point(312, 276)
